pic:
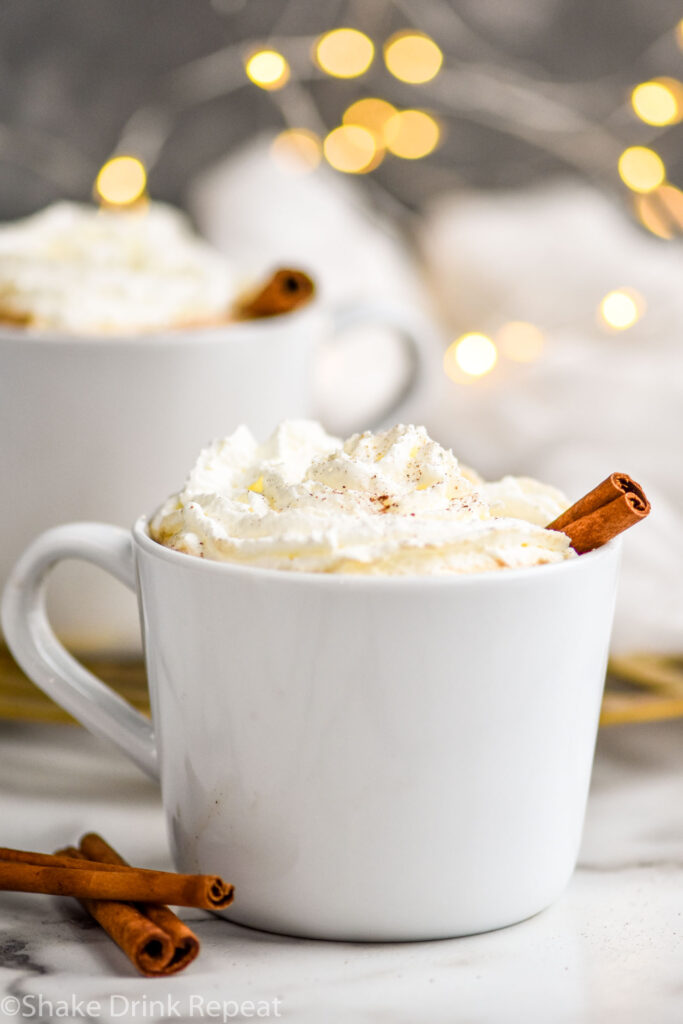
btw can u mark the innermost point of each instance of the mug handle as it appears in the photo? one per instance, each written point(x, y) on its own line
point(414, 334)
point(46, 661)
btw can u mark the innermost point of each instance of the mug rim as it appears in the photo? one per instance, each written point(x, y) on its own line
point(488, 577)
point(164, 336)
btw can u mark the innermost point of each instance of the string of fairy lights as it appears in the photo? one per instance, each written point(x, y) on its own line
point(373, 129)
point(474, 354)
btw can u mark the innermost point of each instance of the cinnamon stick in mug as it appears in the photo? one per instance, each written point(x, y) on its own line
point(613, 487)
point(606, 511)
point(185, 943)
point(286, 291)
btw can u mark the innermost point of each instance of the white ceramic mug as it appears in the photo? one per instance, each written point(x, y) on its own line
point(100, 427)
point(366, 758)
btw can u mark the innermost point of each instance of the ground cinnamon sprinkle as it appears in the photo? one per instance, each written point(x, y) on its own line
point(384, 499)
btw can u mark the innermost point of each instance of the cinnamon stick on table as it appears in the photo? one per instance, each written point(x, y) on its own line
point(609, 509)
point(185, 944)
point(286, 291)
point(23, 871)
point(148, 946)
point(128, 902)
point(62, 859)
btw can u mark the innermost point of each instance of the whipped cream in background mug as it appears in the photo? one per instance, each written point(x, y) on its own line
point(117, 365)
point(81, 270)
point(388, 503)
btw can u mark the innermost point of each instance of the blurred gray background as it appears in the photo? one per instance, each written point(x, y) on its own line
point(73, 71)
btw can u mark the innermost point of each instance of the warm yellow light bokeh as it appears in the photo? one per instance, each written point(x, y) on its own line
point(473, 354)
point(621, 308)
point(520, 341)
point(268, 69)
point(370, 113)
point(412, 57)
point(679, 33)
point(641, 168)
point(297, 150)
point(344, 52)
point(121, 181)
point(411, 134)
point(352, 149)
point(650, 216)
point(658, 102)
point(661, 211)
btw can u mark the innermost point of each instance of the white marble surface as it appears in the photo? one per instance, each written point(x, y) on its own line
point(610, 950)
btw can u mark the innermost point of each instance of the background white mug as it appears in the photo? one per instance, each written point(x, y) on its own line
point(364, 758)
point(100, 427)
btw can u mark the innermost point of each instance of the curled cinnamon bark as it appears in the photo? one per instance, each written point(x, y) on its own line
point(185, 944)
point(61, 859)
point(606, 511)
point(128, 902)
point(613, 487)
point(286, 291)
point(147, 945)
point(91, 882)
point(23, 871)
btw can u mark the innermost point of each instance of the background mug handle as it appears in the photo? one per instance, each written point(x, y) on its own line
point(46, 661)
point(413, 332)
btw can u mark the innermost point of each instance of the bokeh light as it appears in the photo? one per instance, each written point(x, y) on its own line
point(371, 113)
point(520, 341)
point(679, 33)
point(474, 354)
point(344, 52)
point(411, 134)
point(297, 150)
point(352, 149)
point(121, 181)
point(412, 57)
point(268, 69)
point(641, 168)
point(621, 308)
point(659, 101)
point(661, 211)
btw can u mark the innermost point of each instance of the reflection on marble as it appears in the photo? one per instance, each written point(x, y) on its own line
point(610, 949)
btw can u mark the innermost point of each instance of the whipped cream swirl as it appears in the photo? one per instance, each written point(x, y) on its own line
point(81, 270)
point(389, 503)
